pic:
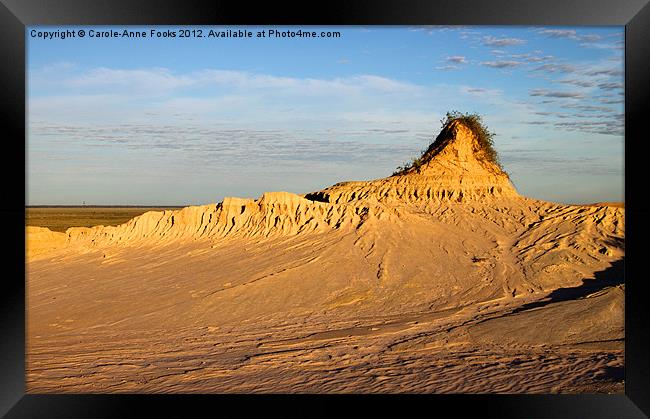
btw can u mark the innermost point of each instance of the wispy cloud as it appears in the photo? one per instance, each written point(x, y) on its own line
point(610, 101)
point(606, 46)
point(431, 29)
point(559, 33)
point(556, 68)
point(587, 108)
point(538, 59)
point(457, 59)
point(502, 42)
point(605, 72)
point(453, 62)
point(578, 82)
point(155, 79)
point(162, 81)
point(502, 64)
point(584, 40)
point(569, 34)
point(447, 67)
point(557, 93)
point(222, 144)
point(611, 86)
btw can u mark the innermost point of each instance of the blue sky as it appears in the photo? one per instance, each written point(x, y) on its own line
point(160, 121)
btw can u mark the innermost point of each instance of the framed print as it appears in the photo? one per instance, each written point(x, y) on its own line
point(435, 203)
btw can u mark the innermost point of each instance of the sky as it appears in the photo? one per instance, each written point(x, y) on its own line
point(186, 121)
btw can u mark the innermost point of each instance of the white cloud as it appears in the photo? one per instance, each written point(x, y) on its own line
point(502, 64)
point(446, 67)
point(157, 79)
point(160, 81)
point(457, 59)
point(502, 42)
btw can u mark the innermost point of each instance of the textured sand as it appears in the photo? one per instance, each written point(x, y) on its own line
point(442, 279)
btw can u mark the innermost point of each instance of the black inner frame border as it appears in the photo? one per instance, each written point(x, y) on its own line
point(15, 15)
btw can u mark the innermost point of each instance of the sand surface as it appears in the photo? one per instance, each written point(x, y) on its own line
point(442, 279)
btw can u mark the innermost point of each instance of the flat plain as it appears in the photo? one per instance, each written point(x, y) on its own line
point(60, 218)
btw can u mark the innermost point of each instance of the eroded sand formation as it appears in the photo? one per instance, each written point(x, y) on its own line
point(439, 279)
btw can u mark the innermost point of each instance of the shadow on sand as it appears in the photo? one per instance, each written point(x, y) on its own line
point(609, 277)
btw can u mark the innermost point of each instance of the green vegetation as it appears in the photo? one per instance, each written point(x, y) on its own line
point(415, 164)
point(61, 218)
point(475, 123)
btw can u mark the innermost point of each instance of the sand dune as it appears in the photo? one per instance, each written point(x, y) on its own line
point(439, 279)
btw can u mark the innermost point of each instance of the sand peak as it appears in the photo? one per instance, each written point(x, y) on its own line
point(456, 147)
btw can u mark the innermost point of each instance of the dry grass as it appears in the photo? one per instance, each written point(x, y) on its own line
point(61, 218)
